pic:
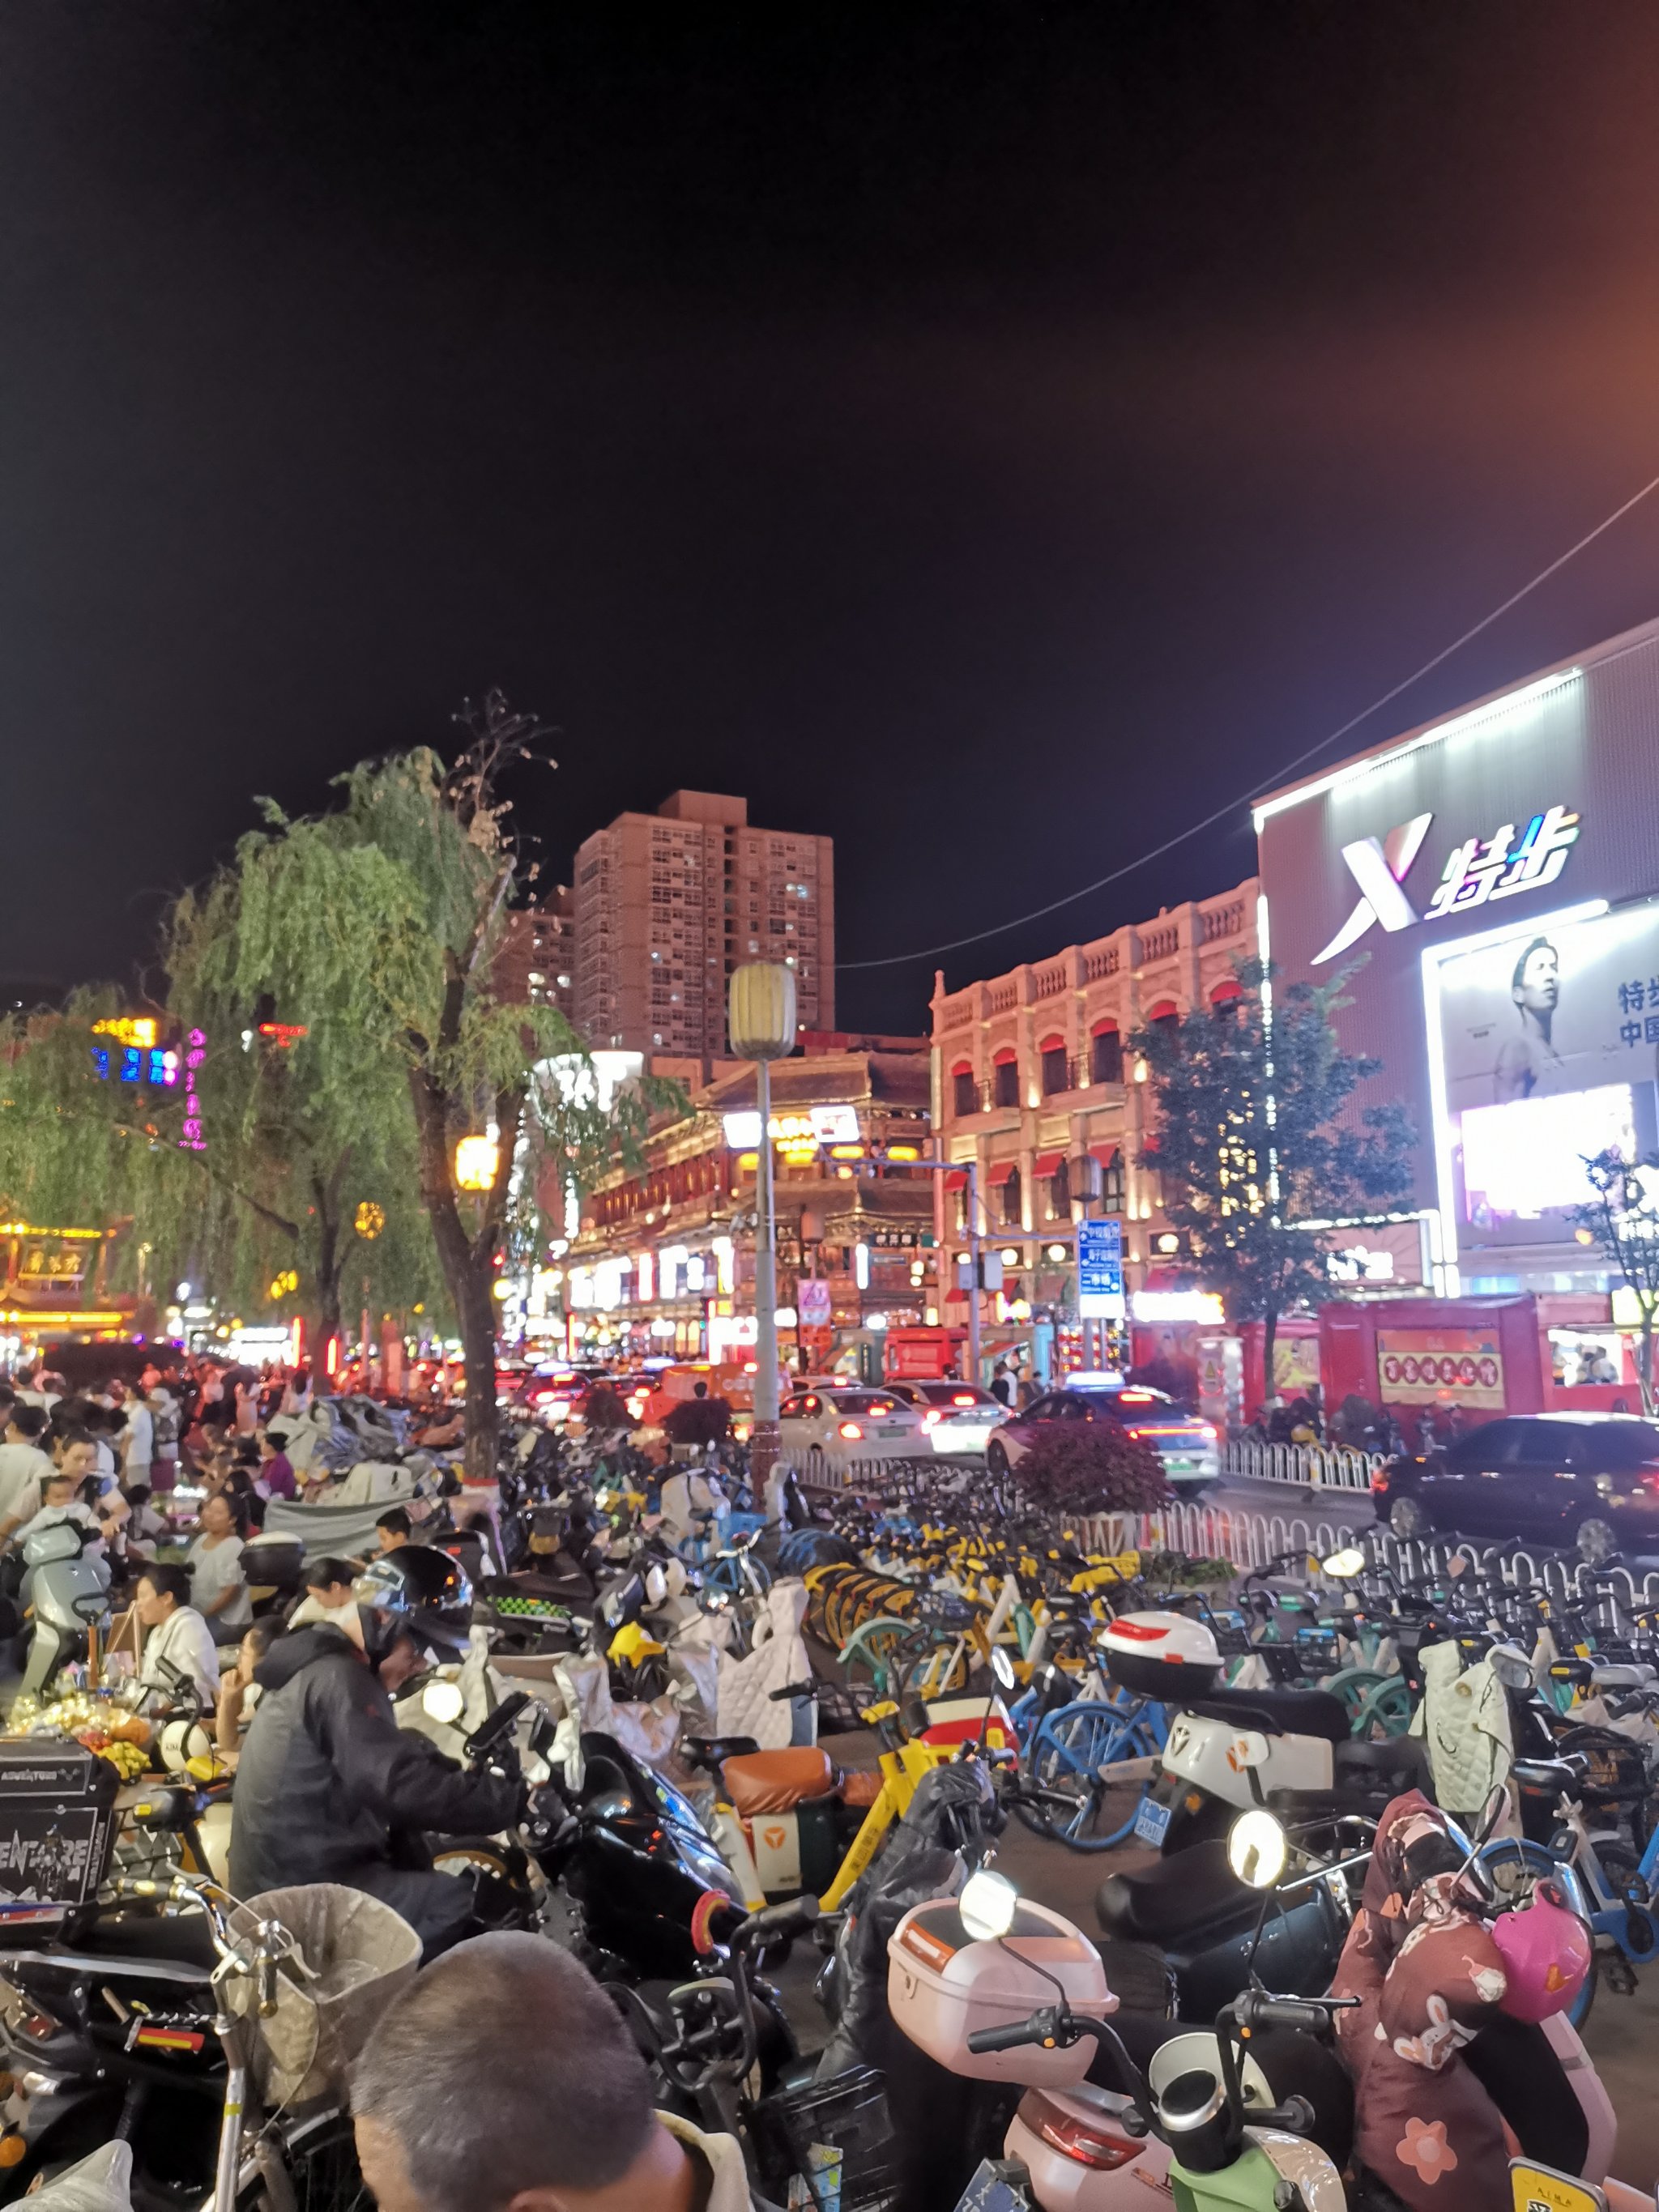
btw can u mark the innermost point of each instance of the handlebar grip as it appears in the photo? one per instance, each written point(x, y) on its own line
point(777, 1920)
point(1257, 2009)
point(793, 1690)
point(1007, 2038)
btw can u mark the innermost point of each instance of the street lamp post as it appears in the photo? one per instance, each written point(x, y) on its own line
point(761, 1020)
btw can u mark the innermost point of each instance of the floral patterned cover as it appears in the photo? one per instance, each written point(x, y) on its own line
point(1428, 1976)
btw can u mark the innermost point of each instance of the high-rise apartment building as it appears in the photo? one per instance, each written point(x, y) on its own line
point(536, 960)
point(668, 904)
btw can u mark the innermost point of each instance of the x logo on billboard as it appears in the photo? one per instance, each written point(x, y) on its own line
point(1379, 866)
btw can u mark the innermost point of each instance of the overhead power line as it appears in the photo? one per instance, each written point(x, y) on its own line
point(1286, 768)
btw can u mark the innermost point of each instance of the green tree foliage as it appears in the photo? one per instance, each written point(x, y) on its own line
point(1622, 1217)
point(1091, 1466)
point(374, 928)
point(1254, 1140)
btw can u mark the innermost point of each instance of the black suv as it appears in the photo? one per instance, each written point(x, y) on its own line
point(1591, 1480)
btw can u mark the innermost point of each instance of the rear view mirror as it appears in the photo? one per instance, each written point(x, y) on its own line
point(1257, 1849)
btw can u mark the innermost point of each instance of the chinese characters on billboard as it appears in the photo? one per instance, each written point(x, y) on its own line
point(1440, 1366)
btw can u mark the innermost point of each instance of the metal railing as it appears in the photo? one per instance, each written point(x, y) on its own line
point(1313, 1466)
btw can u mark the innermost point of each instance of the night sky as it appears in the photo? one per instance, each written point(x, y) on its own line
point(993, 435)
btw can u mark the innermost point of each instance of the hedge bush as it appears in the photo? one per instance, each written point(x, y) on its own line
point(1091, 1466)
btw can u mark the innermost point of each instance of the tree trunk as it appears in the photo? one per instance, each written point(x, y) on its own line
point(469, 1272)
point(1644, 1364)
point(476, 1305)
point(331, 1265)
point(1269, 1346)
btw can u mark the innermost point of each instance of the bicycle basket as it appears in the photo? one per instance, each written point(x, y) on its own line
point(360, 1953)
point(1615, 1772)
point(838, 2136)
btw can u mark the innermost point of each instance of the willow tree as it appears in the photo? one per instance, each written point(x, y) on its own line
point(375, 926)
point(308, 1148)
point(81, 1148)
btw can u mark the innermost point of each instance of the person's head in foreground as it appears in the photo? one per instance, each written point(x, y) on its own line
point(501, 2079)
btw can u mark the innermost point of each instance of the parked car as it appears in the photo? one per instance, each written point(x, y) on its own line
point(1588, 1480)
point(848, 1424)
point(958, 1417)
point(1186, 1446)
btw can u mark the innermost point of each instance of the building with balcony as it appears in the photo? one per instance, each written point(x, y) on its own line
point(668, 904)
point(535, 961)
point(663, 1260)
point(1030, 1073)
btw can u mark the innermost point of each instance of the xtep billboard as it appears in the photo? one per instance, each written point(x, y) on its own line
point(1540, 799)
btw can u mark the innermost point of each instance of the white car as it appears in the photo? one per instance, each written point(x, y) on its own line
point(849, 1422)
point(958, 1417)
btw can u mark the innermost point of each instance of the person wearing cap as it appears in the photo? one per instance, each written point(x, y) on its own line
point(330, 1788)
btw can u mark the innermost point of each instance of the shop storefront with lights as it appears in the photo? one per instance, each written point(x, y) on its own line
point(662, 1264)
point(1496, 872)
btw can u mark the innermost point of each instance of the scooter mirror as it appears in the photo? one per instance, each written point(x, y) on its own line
point(1343, 1566)
point(441, 1701)
point(987, 1905)
point(1002, 1667)
point(1257, 1849)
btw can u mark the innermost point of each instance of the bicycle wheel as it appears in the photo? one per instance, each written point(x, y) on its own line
point(1516, 1865)
point(1069, 1763)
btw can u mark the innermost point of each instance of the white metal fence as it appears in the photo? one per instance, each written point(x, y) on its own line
point(1314, 1467)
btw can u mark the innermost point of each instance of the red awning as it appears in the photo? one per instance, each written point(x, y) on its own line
point(1047, 1164)
point(1104, 1154)
point(957, 1180)
point(1002, 1169)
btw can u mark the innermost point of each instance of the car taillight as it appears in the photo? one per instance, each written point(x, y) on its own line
point(1094, 2142)
point(545, 1397)
point(930, 1420)
point(964, 1398)
point(850, 1430)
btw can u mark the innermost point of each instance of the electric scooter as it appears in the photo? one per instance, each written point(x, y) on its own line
point(66, 1588)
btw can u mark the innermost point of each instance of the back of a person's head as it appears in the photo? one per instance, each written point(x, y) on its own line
point(396, 1521)
point(329, 1573)
point(505, 2068)
point(29, 1421)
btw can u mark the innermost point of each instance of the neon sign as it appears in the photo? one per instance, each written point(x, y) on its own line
point(1478, 870)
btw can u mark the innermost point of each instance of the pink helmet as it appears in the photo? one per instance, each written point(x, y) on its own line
point(1547, 1953)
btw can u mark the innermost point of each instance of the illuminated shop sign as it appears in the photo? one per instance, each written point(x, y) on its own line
point(823, 1125)
point(132, 1054)
point(1477, 870)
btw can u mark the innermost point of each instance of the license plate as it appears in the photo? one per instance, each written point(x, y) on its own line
point(1152, 1820)
point(889, 1432)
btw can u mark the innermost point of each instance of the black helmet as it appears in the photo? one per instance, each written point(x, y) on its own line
point(414, 1591)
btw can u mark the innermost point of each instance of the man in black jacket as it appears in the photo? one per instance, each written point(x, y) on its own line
point(330, 1788)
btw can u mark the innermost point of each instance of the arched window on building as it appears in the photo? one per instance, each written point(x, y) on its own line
point(964, 1090)
point(1106, 1053)
point(1056, 1067)
point(1226, 995)
point(1005, 1077)
point(1011, 1201)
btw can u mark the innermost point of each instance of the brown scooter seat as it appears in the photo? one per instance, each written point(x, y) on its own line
point(778, 1781)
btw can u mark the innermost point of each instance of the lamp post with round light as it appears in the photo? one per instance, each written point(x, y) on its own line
point(761, 1022)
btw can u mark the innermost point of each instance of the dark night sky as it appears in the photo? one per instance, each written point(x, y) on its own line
point(992, 435)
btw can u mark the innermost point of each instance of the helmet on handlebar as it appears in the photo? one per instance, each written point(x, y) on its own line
point(1547, 1953)
point(416, 1592)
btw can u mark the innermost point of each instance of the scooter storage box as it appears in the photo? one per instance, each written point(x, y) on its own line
point(1161, 1655)
point(57, 1827)
point(942, 1986)
point(274, 1562)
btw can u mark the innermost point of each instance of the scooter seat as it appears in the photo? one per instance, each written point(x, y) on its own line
point(778, 1781)
point(1276, 1712)
point(712, 1751)
point(1174, 1897)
